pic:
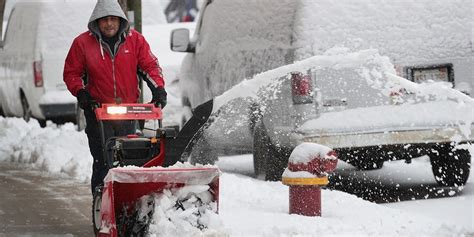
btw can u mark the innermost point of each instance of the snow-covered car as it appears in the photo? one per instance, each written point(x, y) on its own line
point(32, 59)
point(235, 40)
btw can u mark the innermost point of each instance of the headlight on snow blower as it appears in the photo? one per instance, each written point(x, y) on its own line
point(116, 110)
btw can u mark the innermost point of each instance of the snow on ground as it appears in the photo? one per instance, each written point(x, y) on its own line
point(253, 207)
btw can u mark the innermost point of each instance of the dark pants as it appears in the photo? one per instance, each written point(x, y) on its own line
point(111, 129)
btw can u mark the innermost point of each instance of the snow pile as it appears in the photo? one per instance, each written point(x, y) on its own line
point(307, 151)
point(54, 149)
point(303, 155)
point(186, 211)
point(254, 207)
point(251, 207)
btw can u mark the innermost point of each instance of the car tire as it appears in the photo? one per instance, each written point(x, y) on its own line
point(269, 159)
point(365, 158)
point(277, 165)
point(261, 144)
point(96, 205)
point(202, 153)
point(80, 119)
point(26, 108)
point(450, 167)
point(42, 122)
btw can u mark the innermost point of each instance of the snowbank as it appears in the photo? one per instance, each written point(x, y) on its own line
point(59, 150)
point(247, 207)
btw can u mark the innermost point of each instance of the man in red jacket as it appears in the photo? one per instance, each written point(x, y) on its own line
point(102, 65)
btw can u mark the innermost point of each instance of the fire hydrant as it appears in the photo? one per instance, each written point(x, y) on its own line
point(308, 168)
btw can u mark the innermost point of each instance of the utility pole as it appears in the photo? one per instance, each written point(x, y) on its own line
point(2, 11)
point(123, 4)
point(133, 10)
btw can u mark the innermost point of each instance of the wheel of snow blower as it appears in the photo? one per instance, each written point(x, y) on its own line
point(96, 205)
point(450, 167)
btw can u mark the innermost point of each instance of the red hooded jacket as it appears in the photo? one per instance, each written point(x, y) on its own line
point(111, 77)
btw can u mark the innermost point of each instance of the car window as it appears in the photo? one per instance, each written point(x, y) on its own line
point(22, 28)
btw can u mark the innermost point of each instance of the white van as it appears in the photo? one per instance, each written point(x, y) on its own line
point(35, 44)
point(237, 39)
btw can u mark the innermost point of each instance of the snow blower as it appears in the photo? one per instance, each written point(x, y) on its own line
point(135, 171)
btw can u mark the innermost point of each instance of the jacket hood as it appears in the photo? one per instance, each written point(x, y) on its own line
point(105, 8)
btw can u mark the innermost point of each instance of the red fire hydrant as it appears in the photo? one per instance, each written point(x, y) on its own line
point(308, 168)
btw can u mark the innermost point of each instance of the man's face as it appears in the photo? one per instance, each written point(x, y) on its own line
point(109, 25)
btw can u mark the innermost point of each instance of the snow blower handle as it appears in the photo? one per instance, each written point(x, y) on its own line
point(160, 123)
point(94, 105)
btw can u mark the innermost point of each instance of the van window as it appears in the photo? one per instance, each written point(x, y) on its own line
point(6, 25)
point(22, 29)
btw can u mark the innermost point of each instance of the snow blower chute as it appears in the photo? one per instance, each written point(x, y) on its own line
point(135, 171)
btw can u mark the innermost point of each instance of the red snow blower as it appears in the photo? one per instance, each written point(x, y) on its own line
point(135, 171)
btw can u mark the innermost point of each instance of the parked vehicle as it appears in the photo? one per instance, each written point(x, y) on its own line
point(32, 55)
point(237, 39)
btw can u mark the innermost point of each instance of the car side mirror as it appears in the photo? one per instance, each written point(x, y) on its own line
point(180, 41)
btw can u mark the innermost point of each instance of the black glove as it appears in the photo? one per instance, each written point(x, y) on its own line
point(84, 99)
point(159, 96)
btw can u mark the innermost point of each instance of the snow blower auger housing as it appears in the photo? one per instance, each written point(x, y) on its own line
point(135, 170)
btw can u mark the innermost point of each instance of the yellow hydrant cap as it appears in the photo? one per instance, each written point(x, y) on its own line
point(321, 181)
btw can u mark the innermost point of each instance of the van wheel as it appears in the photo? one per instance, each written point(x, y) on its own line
point(42, 122)
point(26, 109)
point(450, 167)
point(80, 119)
